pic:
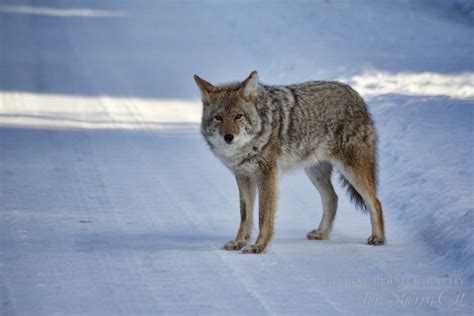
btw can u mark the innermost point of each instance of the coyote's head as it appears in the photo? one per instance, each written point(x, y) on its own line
point(230, 118)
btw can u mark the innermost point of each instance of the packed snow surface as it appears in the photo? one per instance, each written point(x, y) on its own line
point(111, 203)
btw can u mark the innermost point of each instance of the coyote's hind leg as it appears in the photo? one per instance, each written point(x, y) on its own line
point(320, 176)
point(363, 179)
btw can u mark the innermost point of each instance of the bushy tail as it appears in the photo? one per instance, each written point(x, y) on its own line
point(356, 198)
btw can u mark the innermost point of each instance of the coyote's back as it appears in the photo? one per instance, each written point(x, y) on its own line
point(320, 120)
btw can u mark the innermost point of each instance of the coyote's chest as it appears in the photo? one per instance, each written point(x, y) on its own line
point(241, 161)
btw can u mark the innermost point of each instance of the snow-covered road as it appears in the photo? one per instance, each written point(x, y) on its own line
point(110, 202)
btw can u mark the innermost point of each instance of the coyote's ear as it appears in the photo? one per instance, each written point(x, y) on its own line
point(204, 86)
point(249, 88)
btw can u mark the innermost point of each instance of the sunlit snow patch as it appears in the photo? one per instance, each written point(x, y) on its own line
point(59, 12)
point(99, 112)
point(373, 83)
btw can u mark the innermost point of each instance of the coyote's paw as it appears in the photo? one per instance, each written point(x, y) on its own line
point(316, 235)
point(252, 249)
point(376, 240)
point(234, 245)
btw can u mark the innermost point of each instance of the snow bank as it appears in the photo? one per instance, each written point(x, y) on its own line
point(427, 172)
point(426, 139)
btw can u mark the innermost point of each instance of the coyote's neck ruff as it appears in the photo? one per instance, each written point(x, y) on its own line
point(258, 130)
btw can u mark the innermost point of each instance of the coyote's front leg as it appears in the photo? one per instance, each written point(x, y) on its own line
point(267, 193)
point(247, 191)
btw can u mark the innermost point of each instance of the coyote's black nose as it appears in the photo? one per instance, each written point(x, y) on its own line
point(228, 138)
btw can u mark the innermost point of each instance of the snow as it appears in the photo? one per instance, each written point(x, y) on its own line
point(111, 203)
point(374, 83)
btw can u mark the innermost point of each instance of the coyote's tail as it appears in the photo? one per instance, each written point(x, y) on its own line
point(356, 198)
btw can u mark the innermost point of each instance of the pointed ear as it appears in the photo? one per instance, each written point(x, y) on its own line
point(204, 86)
point(249, 88)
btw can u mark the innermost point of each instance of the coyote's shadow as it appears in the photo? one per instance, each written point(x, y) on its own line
point(153, 241)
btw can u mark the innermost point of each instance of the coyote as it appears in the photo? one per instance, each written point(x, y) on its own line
point(259, 131)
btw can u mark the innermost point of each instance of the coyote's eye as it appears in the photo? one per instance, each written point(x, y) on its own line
point(238, 117)
point(218, 118)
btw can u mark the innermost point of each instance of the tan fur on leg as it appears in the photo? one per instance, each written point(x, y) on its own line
point(267, 190)
point(247, 190)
